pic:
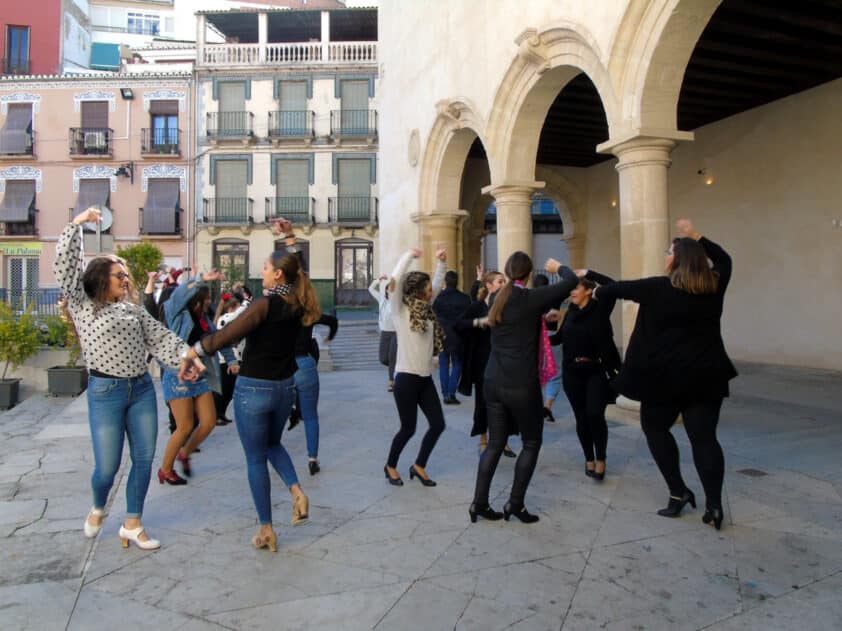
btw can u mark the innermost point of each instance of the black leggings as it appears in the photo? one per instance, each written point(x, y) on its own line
point(480, 411)
point(700, 421)
point(585, 387)
point(524, 405)
point(413, 392)
point(221, 401)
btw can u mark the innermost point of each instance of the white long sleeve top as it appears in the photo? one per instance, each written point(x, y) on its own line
point(384, 318)
point(415, 350)
point(117, 337)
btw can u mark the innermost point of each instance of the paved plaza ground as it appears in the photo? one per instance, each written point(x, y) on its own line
point(378, 556)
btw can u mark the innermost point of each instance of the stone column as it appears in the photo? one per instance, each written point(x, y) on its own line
point(575, 250)
point(262, 36)
point(325, 35)
point(514, 217)
point(201, 25)
point(440, 229)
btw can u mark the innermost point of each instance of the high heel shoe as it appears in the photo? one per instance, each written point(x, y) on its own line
point(314, 467)
point(92, 531)
point(713, 516)
point(589, 472)
point(509, 452)
point(486, 512)
point(265, 541)
point(127, 535)
point(599, 476)
point(300, 508)
point(393, 481)
point(521, 513)
point(185, 464)
point(675, 505)
point(170, 477)
point(414, 474)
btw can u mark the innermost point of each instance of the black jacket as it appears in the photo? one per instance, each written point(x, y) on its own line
point(448, 307)
point(675, 352)
point(477, 346)
point(514, 342)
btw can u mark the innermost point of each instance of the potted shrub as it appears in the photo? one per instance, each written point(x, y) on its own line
point(19, 340)
point(70, 379)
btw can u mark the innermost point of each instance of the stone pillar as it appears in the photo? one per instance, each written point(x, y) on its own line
point(644, 212)
point(201, 25)
point(575, 250)
point(325, 35)
point(514, 217)
point(440, 229)
point(262, 36)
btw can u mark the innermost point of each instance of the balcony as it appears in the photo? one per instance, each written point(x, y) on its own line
point(20, 228)
point(17, 143)
point(16, 66)
point(160, 142)
point(291, 126)
point(299, 210)
point(91, 141)
point(353, 124)
point(223, 126)
point(288, 54)
point(160, 221)
point(352, 210)
point(230, 211)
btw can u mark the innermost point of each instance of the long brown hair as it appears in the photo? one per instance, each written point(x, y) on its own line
point(303, 295)
point(96, 279)
point(690, 270)
point(488, 277)
point(518, 267)
point(414, 284)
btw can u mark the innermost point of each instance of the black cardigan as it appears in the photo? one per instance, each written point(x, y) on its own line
point(514, 342)
point(675, 352)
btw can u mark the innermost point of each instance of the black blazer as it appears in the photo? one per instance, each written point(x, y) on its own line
point(514, 342)
point(477, 346)
point(675, 352)
point(448, 307)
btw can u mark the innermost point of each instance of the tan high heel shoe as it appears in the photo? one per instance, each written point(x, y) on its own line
point(127, 535)
point(265, 541)
point(300, 508)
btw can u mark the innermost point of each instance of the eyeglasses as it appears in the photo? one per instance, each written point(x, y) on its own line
point(120, 275)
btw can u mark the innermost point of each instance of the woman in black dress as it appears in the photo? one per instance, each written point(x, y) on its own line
point(676, 362)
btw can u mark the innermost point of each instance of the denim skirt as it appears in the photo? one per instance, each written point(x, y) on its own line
point(186, 390)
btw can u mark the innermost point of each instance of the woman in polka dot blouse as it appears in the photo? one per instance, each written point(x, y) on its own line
point(116, 336)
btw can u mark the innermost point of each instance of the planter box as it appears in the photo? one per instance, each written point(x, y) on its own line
point(8, 393)
point(66, 382)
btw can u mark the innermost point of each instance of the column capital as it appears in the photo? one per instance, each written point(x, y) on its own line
point(440, 218)
point(644, 149)
point(513, 191)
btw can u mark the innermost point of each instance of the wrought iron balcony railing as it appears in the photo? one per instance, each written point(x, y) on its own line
point(353, 123)
point(222, 125)
point(299, 210)
point(354, 210)
point(16, 66)
point(291, 124)
point(91, 141)
point(228, 210)
point(160, 141)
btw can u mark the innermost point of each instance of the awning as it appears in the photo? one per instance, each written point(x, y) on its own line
point(14, 137)
point(19, 198)
point(105, 56)
point(92, 193)
point(161, 203)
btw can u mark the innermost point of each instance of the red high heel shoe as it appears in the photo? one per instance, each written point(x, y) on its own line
point(170, 477)
point(185, 464)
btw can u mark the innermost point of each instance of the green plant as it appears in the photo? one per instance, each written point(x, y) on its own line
point(141, 259)
point(19, 338)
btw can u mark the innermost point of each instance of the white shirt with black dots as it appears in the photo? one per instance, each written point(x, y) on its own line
point(117, 337)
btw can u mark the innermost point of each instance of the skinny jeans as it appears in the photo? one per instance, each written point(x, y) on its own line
point(413, 392)
point(119, 408)
point(307, 384)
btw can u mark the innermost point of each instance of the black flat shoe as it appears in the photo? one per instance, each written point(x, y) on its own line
point(675, 505)
point(314, 467)
point(521, 513)
point(393, 481)
point(713, 516)
point(425, 481)
point(486, 512)
point(548, 416)
point(590, 473)
point(507, 451)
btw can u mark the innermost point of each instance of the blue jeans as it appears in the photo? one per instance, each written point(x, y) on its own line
point(450, 369)
point(307, 383)
point(261, 407)
point(553, 386)
point(116, 408)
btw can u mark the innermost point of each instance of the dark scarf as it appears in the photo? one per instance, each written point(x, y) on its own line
point(420, 312)
point(280, 290)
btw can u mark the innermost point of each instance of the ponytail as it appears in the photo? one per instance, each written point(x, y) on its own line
point(305, 296)
point(518, 267)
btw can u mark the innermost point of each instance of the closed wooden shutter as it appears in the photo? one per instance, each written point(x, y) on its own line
point(163, 108)
point(354, 188)
point(232, 96)
point(159, 212)
point(19, 198)
point(293, 96)
point(14, 136)
point(292, 178)
point(92, 193)
point(231, 190)
point(95, 114)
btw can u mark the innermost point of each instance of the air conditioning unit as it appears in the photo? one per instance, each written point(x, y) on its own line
point(95, 140)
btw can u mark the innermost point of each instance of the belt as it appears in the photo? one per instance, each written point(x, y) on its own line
point(104, 375)
point(584, 360)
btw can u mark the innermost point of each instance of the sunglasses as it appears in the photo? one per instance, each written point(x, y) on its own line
point(120, 275)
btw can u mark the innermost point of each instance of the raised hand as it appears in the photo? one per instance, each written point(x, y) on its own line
point(282, 226)
point(441, 254)
point(212, 275)
point(552, 266)
point(416, 252)
point(553, 315)
point(90, 215)
point(580, 273)
point(686, 228)
point(480, 271)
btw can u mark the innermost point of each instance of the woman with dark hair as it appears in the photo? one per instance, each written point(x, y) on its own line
point(265, 387)
point(676, 362)
point(420, 338)
point(512, 385)
point(589, 359)
point(116, 336)
point(473, 326)
point(186, 313)
point(229, 307)
point(388, 351)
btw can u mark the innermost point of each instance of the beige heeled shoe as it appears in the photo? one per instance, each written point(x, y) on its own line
point(265, 541)
point(92, 531)
point(300, 509)
point(127, 535)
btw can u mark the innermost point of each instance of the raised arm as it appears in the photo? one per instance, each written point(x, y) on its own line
point(398, 275)
point(551, 296)
point(441, 270)
point(330, 321)
point(374, 290)
point(640, 291)
point(599, 279)
point(722, 264)
point(69, 263)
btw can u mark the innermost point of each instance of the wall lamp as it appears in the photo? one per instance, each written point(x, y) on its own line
point(707, 175)
point(126, 170)
point(127, 94)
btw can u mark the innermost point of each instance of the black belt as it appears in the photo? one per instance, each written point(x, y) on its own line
point(103, 375)
point(584, 360)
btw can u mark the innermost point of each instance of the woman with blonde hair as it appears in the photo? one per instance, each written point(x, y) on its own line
point(265, 387)
point(676, 362)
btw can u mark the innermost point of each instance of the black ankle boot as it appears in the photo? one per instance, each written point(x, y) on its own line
point(675, 504)
point(713, 516)
point(486, 512)
point(509, 510)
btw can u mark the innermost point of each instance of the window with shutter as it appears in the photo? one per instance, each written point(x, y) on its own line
point(354, 189)
point(231, 195)
point(354, 104)
point(16, 134)
point(160, 214)
point(293, 104)
point(293, 190)
point(231, 118)
point(92, 193)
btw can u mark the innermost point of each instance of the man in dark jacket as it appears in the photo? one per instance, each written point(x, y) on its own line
point(448, 306)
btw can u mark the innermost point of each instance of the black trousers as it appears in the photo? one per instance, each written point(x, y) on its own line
point(585, 386)
point(525, 407)
point(222, 400)
point(480, 411)
point(413, 392)
point(700, 421)
point(388, 352)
